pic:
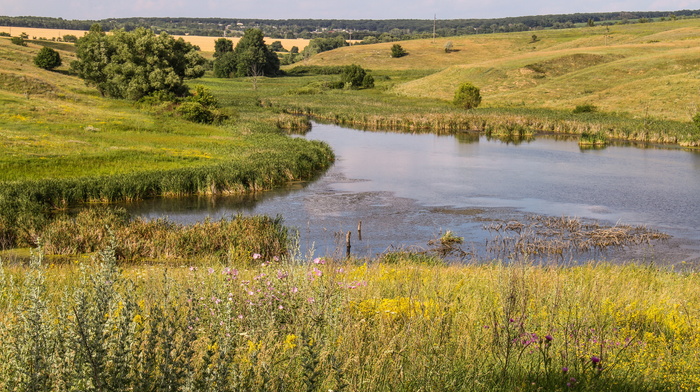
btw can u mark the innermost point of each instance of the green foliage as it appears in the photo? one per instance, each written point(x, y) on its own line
point(135, 64)
point(251, 57)
point(354, 76)
point(276, 46)
point(70, 38)
point(4, 34)
point(195, 112)
point(221, 46)
point(587, 108)
point(467, 96)
point(397, 51)
point(319, 45)
point(18, 41)
point(294, 50)
point(47, 58)
point(696, 121)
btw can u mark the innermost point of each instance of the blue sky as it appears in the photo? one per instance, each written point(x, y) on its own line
point(328, 9)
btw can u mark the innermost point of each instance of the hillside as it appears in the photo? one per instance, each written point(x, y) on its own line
point(649, 69)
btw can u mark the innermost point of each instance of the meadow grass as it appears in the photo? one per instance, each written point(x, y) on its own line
point(645, 70)
point(268, 323)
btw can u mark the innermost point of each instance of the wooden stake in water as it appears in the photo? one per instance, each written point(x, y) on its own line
point(359, 231)
point(347, 244)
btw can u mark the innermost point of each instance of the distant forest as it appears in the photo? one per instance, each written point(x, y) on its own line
point(376, 30)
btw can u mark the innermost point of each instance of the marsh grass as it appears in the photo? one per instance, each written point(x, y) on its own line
point(322, 324)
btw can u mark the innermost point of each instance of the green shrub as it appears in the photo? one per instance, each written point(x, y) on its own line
point(18, 41)
point(354, 76)
point(696, 121)
point(47, 58)
point(467, 96)
point(195, 112)
point(398, 51)
point(585, 109)
point(4, 34)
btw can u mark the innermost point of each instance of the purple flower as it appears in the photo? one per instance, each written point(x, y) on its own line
point(595, 359)
point(564, 369)
point(549, 338)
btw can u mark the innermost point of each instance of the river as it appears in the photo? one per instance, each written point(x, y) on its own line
point(409, 188)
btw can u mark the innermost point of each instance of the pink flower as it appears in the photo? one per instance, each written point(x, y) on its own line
point(256, 256)
point(319, 260)
point(210, 270)
point(311, 300)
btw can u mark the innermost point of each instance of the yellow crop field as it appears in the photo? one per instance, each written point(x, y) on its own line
point(40, 33)
point(206, 44)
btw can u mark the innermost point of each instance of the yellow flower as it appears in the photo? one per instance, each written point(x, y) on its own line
point(290, 342)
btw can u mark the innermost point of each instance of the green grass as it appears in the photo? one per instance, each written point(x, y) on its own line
point(295, 324)
point(644, 69)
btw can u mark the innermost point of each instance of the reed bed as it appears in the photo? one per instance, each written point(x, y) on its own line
point(25, 207)
point(496, 123)
point(294, 324)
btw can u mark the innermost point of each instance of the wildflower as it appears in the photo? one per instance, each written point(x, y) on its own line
point(275, 258)
point(281, 275)
point(317, 272)
point(595, 359)
point(549, 338)
point(319, 260)
point(311, 300)
point(564, 369)
point(290, 342)
point(294, 290)
point(193, 269)
point(210, 270)
point(256, 256)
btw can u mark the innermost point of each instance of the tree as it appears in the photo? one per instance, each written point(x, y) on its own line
point(251, 57)
point(467, 96)
point(354, 76)
point(397, 51)
point(221, 46)
point(47, 58)
point(276, 46)
point(136, 64)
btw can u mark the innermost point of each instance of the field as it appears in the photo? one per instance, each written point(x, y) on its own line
point(402, 323)
point(644, 70)
point(206, 44)
point(108, 302)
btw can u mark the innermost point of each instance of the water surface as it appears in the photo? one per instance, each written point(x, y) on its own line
point(408, 188)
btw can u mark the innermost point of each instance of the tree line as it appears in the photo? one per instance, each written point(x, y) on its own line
point(383, 30)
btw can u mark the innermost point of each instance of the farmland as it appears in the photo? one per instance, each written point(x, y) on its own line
point(111, 302)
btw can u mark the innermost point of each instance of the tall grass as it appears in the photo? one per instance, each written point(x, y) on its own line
point(324, 325)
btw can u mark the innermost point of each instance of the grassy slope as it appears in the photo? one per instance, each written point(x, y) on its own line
point(53, 126)
point(643, 69)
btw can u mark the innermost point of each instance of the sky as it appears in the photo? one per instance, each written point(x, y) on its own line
point(327, 9)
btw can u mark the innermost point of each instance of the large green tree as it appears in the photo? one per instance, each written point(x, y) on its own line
point(137, 63)
point(250, 57)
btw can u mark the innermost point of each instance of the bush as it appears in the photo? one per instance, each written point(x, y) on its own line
point(467, 96)
point(47, 58)
point(585, 109)
point(696, 121)
point(18, 41)
point(195, 112)
point(397, 51)
point(4, 34)
point(355, 76)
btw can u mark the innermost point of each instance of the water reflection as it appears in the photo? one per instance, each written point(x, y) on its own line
point(409, 187)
